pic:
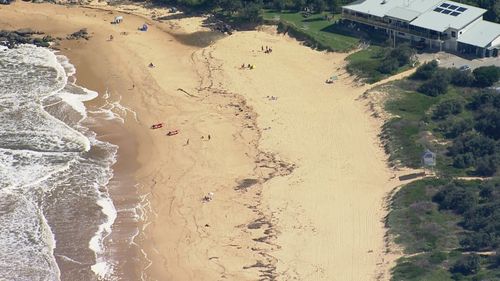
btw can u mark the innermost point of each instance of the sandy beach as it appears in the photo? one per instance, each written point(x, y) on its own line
point(298, 175)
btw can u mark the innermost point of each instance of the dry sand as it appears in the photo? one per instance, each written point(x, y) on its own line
point(299, 181)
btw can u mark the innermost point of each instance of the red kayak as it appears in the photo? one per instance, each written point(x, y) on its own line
point(172, 133)
point(157, 126)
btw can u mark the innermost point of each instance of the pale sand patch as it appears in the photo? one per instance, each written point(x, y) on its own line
point(329, 211)
point(321, 222)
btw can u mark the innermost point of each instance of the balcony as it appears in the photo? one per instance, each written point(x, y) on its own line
point(385, 25)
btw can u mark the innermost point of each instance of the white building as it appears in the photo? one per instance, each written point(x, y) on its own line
point(439, 24)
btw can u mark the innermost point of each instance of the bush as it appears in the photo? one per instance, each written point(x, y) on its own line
point(425, 71)
point(388, 65)
point(403, 54)
point(455, 198)
point(436, 86)
point(486, 76)
point(455, 127)
point(463, 160)
point(486, 166)
point(488, 123)
point(467, 265)
point(461, 78)
point(446, 108)
point(476, 241)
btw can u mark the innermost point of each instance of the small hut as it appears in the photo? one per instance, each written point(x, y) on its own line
point(429, 159)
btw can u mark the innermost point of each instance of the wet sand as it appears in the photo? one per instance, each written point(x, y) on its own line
point(299, 180)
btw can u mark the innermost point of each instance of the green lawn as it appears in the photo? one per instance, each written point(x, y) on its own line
point(365, 64)
point(315, 27)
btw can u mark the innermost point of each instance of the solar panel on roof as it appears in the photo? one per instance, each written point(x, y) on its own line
point(452, 7)
point(444, 5)
point(455, 14)
point(446, 12)
point(462, 9)
point(438, 10)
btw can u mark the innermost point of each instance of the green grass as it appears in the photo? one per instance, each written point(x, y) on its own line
point(432, 251)
point(403, 132)
point(412, 130)
point(314, 28)
point(365, 64)
point(418, 224)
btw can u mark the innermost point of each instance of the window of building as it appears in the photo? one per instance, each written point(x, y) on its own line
point(453, 34)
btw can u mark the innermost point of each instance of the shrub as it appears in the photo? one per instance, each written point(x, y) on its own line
point(467, 265)
point(486, 166)
point(461, 78)
point(455, 127)
point(476, 241)
point(488, 123)
point(457, 199)
point(486, 76)
point(463, 160)
point(436, 86)
point(446, 108)
point(425, 71)
point(388, 65)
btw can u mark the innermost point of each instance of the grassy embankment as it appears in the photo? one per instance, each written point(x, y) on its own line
point(366, 64)
point(314, 30)
point(322, 33)
point(449, 229)
point(433, 233)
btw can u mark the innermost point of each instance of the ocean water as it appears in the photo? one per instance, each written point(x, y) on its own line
point(55, 208)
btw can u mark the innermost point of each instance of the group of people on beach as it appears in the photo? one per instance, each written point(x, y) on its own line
point(249, 66)
point(268, 49)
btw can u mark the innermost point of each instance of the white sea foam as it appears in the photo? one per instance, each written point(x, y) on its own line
point(114, 110)
point(76, 101)
point(102, 268)
point(39, 151)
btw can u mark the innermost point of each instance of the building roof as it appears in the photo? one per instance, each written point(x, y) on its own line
point(448, 14)
point(402, 13)
point(380, 8)
point(481, 34)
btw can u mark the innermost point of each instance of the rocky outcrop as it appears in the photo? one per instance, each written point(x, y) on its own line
point(11, 39)
point(82, 33)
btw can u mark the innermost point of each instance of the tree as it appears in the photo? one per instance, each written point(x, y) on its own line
point(455, 198)
point(454, 127)
point(403, 54)
point(388, 65)
point(279, 5)
point(426, 70)
point(318, 6)
point(486, 166)
point(486, 76)
point(446, 108)
point(462, 78)
point(467, 265)
point(489, 123)
point(251, 12)
point(436, 86)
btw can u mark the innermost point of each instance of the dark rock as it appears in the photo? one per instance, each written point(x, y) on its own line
point(82, 33)
point(25, 31)
point(11, 39)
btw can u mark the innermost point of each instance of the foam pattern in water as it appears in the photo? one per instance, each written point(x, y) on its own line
point(53, 172)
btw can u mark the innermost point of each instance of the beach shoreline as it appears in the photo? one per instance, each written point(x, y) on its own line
point(298, 191)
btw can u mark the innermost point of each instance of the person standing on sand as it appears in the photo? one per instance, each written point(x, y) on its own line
point(209, 137)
